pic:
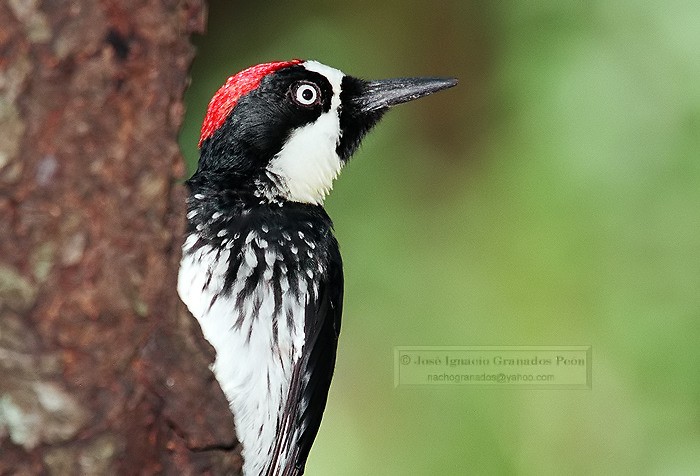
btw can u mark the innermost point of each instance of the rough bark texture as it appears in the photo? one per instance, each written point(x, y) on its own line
point(102, 371)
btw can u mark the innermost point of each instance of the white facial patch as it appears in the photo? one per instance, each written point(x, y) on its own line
point(308, 162)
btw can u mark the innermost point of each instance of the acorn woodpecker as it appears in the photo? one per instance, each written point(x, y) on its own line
point(260, 269)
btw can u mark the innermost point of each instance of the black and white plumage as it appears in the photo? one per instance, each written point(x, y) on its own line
point(261, 270)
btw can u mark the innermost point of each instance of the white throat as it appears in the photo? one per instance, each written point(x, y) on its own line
point(308, 163)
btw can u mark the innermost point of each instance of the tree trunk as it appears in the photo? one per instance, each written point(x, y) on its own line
point(102, 371)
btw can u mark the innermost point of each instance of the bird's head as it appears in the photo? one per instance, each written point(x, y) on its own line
point(283, 130)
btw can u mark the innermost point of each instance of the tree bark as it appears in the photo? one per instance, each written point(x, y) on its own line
point(102, 371)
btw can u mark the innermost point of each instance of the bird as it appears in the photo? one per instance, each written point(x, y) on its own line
point(261, 269)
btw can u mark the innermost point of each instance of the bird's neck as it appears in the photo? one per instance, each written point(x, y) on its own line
point(214, 212)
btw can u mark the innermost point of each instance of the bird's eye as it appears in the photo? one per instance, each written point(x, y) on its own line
point(305, 94)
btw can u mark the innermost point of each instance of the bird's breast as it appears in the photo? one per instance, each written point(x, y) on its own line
point(250, 304)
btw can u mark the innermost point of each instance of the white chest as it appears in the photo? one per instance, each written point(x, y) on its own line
point(256, 344)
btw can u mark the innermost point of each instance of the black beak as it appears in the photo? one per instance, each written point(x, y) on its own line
point(383, 94)
point(364, 103)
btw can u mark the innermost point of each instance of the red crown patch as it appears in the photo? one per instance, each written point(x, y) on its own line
point(235, 87)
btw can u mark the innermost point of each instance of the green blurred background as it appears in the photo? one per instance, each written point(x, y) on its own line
point(552, 198)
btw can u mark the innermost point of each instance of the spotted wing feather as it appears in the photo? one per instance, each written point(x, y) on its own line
point(312, 374)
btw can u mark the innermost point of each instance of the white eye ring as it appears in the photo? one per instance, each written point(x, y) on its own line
point(306, 94)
